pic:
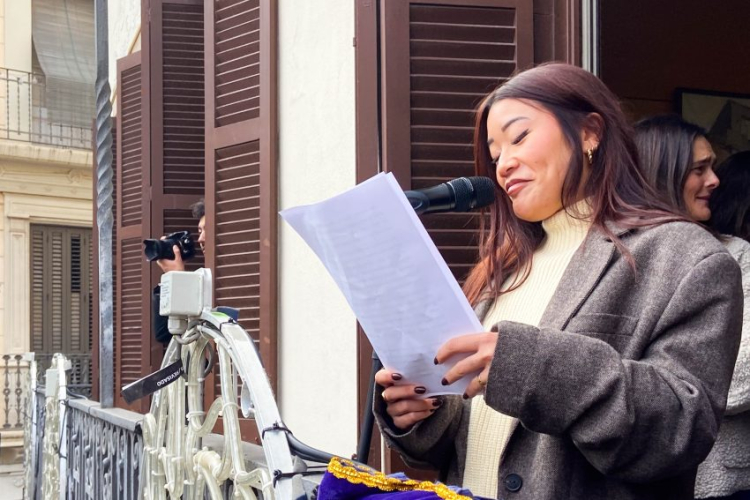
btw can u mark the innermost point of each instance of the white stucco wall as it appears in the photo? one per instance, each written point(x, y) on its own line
point(318, 395)
point(17, 34)
point(2, 33)
point(124, 22)
point(17, 58)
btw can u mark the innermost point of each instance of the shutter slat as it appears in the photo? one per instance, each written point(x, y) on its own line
point(454, 83)
point(462, 50)
point(457, 32)
point(231, 8)
point(462, 15)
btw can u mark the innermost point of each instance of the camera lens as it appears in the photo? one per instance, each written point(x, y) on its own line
point(158, 249)
point(162, 249)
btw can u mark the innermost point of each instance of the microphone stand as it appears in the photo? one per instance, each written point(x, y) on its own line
point(368, 417)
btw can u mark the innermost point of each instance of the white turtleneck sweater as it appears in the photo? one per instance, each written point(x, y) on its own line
point(489, 430)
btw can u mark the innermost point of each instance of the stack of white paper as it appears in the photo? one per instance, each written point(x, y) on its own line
point(395, 280)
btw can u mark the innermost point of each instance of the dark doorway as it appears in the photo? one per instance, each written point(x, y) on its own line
point(649, 50)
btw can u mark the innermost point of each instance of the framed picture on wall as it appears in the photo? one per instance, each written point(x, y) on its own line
point(725, 116)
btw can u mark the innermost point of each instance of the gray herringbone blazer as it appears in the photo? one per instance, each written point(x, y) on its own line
point(620, 390)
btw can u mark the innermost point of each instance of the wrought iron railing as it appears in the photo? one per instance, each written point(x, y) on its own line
point(14, 380)
point(33, 417)
point(73, 448)
point(27, 113)
point(104, 450)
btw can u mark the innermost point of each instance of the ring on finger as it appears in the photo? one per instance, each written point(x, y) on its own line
point(482, 383)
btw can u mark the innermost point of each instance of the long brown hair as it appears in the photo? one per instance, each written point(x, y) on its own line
point(615, 187)
point(665, 149)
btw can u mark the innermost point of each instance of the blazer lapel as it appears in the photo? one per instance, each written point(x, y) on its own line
point(585, 270)
point(482, 308)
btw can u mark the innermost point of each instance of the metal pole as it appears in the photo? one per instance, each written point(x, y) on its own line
point(590, 36)
point(104, 218)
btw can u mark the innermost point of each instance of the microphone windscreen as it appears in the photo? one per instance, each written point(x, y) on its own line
point(485, 191)
point(472, 192)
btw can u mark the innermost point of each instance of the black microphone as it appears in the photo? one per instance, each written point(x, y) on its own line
point(459, 195)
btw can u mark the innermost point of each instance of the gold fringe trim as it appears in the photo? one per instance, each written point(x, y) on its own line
point(355, 474)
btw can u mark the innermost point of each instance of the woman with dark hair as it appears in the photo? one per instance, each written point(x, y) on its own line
point(601, 375)
point(730, 203)
point(678, 160)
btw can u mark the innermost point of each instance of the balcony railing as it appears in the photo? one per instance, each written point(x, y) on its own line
point(30, 112)
point(14, 380)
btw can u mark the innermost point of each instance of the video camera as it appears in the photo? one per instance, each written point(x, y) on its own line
point(162, 249)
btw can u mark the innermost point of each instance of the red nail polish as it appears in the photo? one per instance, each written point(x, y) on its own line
point(466, 396)
point(444, 382)
point(436, 361)
point(420, 390)
point(396, 376)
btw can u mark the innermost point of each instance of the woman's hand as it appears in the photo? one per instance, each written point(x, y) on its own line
point(480, 348)
point(403, 402)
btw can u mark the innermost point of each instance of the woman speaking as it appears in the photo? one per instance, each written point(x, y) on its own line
point(612, 321)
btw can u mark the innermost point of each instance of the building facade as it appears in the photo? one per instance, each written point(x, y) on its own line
point(302, 100)
point(45, 199)
point(315, 333)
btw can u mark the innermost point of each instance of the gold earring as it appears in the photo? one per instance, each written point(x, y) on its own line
point(590, 154)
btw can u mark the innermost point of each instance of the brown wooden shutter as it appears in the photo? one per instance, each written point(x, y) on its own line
point(61, 298)
point(37, 291)
point(437, 59)
point(241, 165)
point(441, 58)
point(173, 122)
point(132, 298)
